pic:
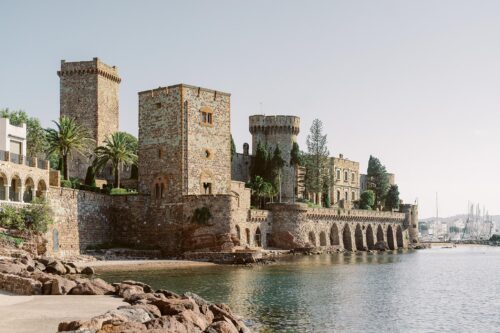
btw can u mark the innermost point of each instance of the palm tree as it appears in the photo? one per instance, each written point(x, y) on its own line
point(119, 150)
point(69, 137)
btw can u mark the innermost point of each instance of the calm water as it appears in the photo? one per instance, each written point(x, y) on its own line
point(435, 290)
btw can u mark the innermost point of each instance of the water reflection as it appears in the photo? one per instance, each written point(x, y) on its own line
point(424, 291)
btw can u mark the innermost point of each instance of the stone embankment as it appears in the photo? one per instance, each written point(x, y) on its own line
point(159, 311)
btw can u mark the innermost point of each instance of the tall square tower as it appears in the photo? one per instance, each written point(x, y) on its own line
point(184, 142)
point(89, 95)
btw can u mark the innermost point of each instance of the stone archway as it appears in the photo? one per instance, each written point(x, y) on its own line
point(334, 235)
point(15, 188)
point(346, 238)
point(312, 238)
point(358, 236)
point(399, 237)
point(322, 239)
point(247, 234)
point(380, 234)
point(29, 189)
point(390, 238)
point(41, 189)
point(370, 242)
point(258, 238)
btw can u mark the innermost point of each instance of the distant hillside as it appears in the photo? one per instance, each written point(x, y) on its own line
point(496, 218)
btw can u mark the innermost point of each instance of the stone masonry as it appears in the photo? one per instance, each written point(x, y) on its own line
point(89, 95)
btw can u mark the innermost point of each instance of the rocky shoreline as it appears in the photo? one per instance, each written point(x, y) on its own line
point(159, 311)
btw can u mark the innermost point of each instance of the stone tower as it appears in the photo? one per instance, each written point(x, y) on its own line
point(89, 94)
point(281, 131)
point(184, 142)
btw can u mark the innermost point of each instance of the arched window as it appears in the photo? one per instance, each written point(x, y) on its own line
point(346, 177)
point(346, 196)
point(162, 190)
point(157, 190)
point(238, 232)
point(338, 174)
point(338, 195)
point(353, 196)
point(353, 177)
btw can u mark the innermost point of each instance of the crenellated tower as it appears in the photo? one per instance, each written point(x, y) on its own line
point(89, 95)
point(278, 131)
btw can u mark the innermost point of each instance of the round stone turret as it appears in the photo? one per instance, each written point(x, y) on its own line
point(278, 131)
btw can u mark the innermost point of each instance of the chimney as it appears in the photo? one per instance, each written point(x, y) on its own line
point(341, 155)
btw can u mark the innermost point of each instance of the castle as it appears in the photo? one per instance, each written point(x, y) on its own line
point(185, 165)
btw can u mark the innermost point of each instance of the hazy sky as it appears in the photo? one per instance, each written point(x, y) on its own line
point(415, 83)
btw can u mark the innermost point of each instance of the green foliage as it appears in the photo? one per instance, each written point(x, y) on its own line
point(90, 176)
point(11, 239)
point(454, 230)
point(134, 172)
point(66, 183)
point(233, 148)
point(71, 183)
point(118, 150)
point(67, 139)
point(495, 238)
point(378, 180)
point(316, 161)
point(16, 118)
point(276, 164)
point(260, 162)
point(392, 198)
point(260, 190)
point(202, 215)
point(367, 200)
point(295, 155)
point(34, 217)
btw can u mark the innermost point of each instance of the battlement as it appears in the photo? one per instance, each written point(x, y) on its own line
point(95, 66)
point(272, 124)
point(165, 90)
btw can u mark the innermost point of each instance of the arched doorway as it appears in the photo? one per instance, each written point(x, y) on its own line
point(334, 235)
point(238, 232)
point(399, 237)
point(312, 238)
point(41, 189)
point(380, 234)
point(358, 236)
point(15, 187)
point(247, 232)
point(390, 238)
point(258, 239)
point(29, 188)
point(370, 243)
point(346, 238)
point(322, 239)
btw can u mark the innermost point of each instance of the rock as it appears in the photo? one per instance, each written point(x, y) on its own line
point(132, 313)
point(381, 246)
point(20, 285)
point(147, 288)
point(122, 327)
point(70, 269)
point(92, 287)
point(61, 286)
point(171, 307)
point(47, 288)
point(27, 260)
point(196, 318)
point(144, 298)
point(127, 290)
point(56, 267)
point(170, 324)
point(40, 266)
point(10, 267)
point(153, 311)
point(222, 327)
point(169, 294)
point(88, 271)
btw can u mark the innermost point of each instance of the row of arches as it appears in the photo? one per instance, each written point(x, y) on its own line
point(247, 238)
point(14, 188)
point(364, 238)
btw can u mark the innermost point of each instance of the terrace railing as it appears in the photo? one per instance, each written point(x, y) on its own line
point(4, 155)
point(15, 158)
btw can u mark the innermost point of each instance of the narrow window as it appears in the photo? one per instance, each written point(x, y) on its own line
point(207, 187)
point(353, 195)
point(162, 190)
point(338, 174)
point(345, 176)
point(338, 195)
point(346, 196)
point(157, 190)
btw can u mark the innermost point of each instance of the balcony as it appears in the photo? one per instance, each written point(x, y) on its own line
point(32, 162)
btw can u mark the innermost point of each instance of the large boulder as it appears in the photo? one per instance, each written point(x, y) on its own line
point(174, 306)
point(126, 290)
point(92, 287)
point(87, 271)
point(61, 286)
point(146, 287)
point(20, 285)
point(11, 267)
point(222, 327)
point(56, 267)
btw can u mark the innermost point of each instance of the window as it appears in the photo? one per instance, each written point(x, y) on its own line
point(207, 187)
point(353, 196)
point(346, 196)
point(207, 153)
point(338, 195)
point(353, 177)
point(346, 178)
point(158, 105)
point(338, 174)
point(207, 117)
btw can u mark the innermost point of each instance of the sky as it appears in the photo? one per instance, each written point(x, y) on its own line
point(414, 83)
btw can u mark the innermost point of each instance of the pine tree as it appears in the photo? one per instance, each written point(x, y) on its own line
point(317, 158)
point(392, 198)
point(276, 166)
point(378, 180)
point(260, 162)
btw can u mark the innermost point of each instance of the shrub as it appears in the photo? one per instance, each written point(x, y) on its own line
point(367, 199)
point(10, 218)
point(35, 217)
point(122, 191)
point(11, 239)
point(66, 183)
point(202, 215)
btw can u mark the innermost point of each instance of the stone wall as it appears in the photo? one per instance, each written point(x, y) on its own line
point(240, 167)
point(81, 219)
point(296, 226)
